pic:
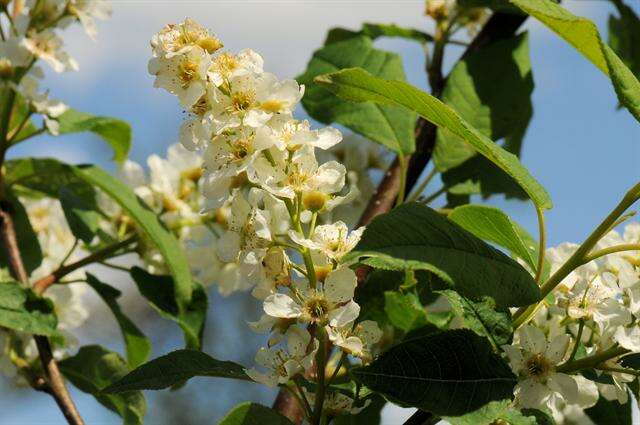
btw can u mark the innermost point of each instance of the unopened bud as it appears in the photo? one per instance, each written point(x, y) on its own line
point(6, 70)
point(314, 201)
point(210, 44)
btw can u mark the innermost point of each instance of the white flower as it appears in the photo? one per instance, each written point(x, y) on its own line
point(333, 240)
point(13, 54)
point(86, 10)
point(330, 303)
point(41, 104)
point(46, 45)
point(557, 256)
point(356, 341)
point(287, 133)
point(337, 404)
point(226, 66)
point(176, 39)
point(184, 75)
point(534, 360)
point(282, 365)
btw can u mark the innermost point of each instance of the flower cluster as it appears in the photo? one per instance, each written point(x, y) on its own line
point(260, 163)
point(595, 309)
point(449, 13)
point(32, 35)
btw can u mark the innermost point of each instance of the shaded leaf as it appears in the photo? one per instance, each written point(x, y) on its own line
point(148, 221)
point(624, 36)
point(137, 344)
point(115, 132)
point(22, 310)
point(94, 368)
point(81, 213)
point(448, 374)
point(27, 239)
point(358, 85)
point(583, 35)
point(174, 368)
point(415, 232)
point(159, 291)
point(46, 176)
point(253, 414)
point(497, 107)
point(610, 412)
point(495, 412)
point(389, 125)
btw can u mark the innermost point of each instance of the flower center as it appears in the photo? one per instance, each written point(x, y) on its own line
point(316, 307)
point(537, 366)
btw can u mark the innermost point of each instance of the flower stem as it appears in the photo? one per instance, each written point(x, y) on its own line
point(591, 362)
point(321, 359)
point(543, 240)
point(611, 250)
point(423, 185)
point(403, 179)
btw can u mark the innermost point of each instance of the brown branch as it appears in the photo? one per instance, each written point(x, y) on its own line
point(55, 383)
point(42, 284)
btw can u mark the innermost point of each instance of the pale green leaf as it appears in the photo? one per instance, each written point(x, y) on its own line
point(358, 85)
point(148, 221)
point(22, 310)
point(404, 311)
point(374, 31)
point(115, 132)
point(583, 35)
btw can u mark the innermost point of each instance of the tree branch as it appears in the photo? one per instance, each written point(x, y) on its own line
point(55, 382)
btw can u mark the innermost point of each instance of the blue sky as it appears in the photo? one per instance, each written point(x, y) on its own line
point(579, 146)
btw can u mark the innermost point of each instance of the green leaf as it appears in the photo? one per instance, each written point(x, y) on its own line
point(19, 114)
point(358, 85)
point(497, 107)
point(448, 374)
point(27, 239)
point(491, 224)
point(115, 132)
point(374, 31)
point(370, 296)
point(159, 290)
point(253, 414)
point(174, 368)
point(45, 176)
point(496, 412)
point(624, 36)
point(389, 125)
point(94, 368)
point(583, 34)
point(405, 311)
point(81, 213)
point(610, 412)
point(147, 220)
point(22, 310)
point(482, 318)
point(415, 232)
point(136, 343)
point(385, 262)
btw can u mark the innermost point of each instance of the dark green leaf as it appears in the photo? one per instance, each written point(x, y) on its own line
point(404, 311)
point(374, 31)
point(358, 85)
point(81, 213)
point(22, 310)
point(46, 176)
point(451, 373)
point(27, 239)
point(415, 232)
point(370, 296)
point(115, 132)
point(137, 344)
point(631, 361)
point(389, 125)
point(497, 107)
point(147, 220)
point(583, 35)
point(253, 414)
point(94, 368)
point(174, 368)
point(610, 412)
point(493, 225)
point(482, 318)
point(624, 36)
point(159, 291)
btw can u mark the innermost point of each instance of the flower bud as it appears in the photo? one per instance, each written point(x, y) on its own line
point(314, 201)
point(6, 70)
point(210, 44)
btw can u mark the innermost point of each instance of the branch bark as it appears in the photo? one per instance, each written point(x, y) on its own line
point(499, 26)
point(55, 383)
